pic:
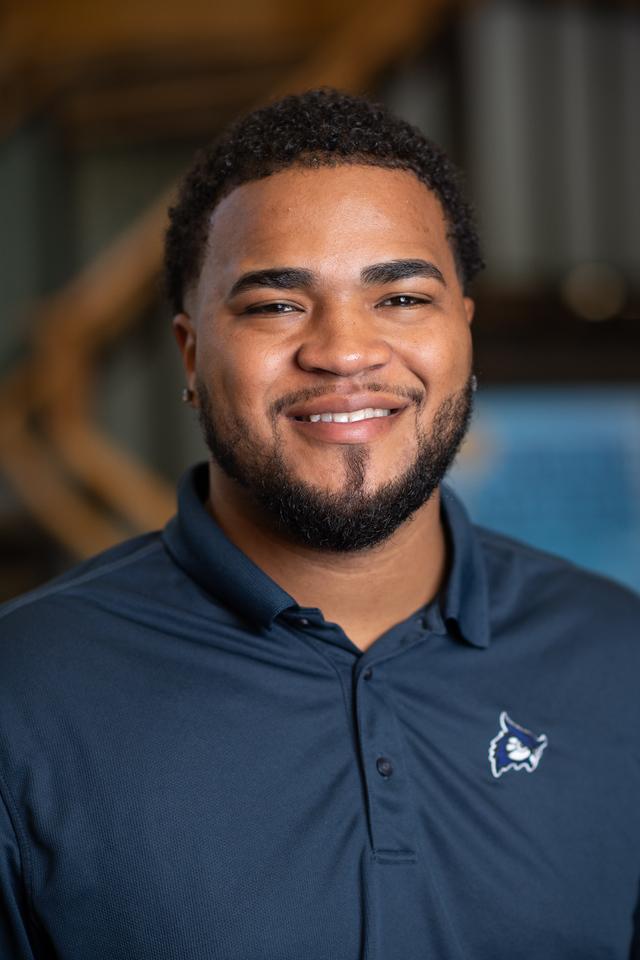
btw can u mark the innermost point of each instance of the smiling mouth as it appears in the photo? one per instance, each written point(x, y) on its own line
point(368, 413)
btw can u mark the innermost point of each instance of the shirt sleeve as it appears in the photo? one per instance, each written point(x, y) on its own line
point(14, 925)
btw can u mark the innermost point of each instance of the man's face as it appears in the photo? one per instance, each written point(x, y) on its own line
point(331, 291)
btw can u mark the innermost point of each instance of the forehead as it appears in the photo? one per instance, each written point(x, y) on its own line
point(304, 211)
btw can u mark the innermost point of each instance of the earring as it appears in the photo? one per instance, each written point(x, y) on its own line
point(187, 395)
point(474, 382)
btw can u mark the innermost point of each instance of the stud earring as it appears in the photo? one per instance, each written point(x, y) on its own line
point(474, 382)
point(187, 395)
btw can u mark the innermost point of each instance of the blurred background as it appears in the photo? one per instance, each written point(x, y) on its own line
point(101, 109)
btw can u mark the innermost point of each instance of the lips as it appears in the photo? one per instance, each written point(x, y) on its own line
point(333, 403)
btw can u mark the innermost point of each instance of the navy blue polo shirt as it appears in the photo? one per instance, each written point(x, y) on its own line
point(193, 767)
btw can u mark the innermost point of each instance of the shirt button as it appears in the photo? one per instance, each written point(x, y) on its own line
point(303, 621)
point(368, 673)
point(384, 767)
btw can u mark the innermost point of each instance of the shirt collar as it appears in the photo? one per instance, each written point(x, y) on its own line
point(465, 598)
point(199, 546)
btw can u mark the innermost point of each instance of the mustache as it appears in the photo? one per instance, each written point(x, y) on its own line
point(312, 393)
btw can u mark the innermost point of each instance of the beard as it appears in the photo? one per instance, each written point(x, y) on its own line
point(352, 519)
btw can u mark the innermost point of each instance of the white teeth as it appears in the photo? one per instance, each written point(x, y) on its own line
point(366, 414)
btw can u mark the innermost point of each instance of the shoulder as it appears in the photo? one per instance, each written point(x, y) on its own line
point(522, 577)
point(55, 638)
point(125, 563)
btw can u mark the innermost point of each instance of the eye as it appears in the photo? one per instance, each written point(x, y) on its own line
point(277, 308)
point(404, 300)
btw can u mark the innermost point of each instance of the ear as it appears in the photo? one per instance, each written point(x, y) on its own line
point(469, 309)
point(185, 334)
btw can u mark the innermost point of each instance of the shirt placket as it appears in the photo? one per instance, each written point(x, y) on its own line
point(390, 806)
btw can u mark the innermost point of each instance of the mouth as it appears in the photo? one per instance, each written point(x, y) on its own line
point(362, 425)
point(347, 416)
point(347, 407)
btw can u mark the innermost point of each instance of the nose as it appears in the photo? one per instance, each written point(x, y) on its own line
point(343, 342)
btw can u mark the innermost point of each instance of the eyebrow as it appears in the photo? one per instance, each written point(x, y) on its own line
point(296, 278)
point(279, 278)
point(392, 270)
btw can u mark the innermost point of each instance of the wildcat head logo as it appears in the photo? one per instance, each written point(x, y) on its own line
point(515, 748)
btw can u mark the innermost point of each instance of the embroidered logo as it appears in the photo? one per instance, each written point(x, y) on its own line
point(515, 748)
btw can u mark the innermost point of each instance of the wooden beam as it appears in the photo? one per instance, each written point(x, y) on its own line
point(64, 512)
point(372, 35)
point(131, 489)
point(105, 297)
point(46, 36)
point(191, 105)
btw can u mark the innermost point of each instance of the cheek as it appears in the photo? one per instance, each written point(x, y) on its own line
point(456, 354)
point(240, 374)
point(443, 359)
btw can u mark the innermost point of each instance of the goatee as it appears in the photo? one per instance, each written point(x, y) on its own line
point(351, 519)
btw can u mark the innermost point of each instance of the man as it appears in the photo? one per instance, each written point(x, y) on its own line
point(321, 716)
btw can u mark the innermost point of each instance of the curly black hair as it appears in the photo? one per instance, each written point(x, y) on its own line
point(322, 127)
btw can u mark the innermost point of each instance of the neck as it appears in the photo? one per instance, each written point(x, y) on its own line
point(366, 592)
